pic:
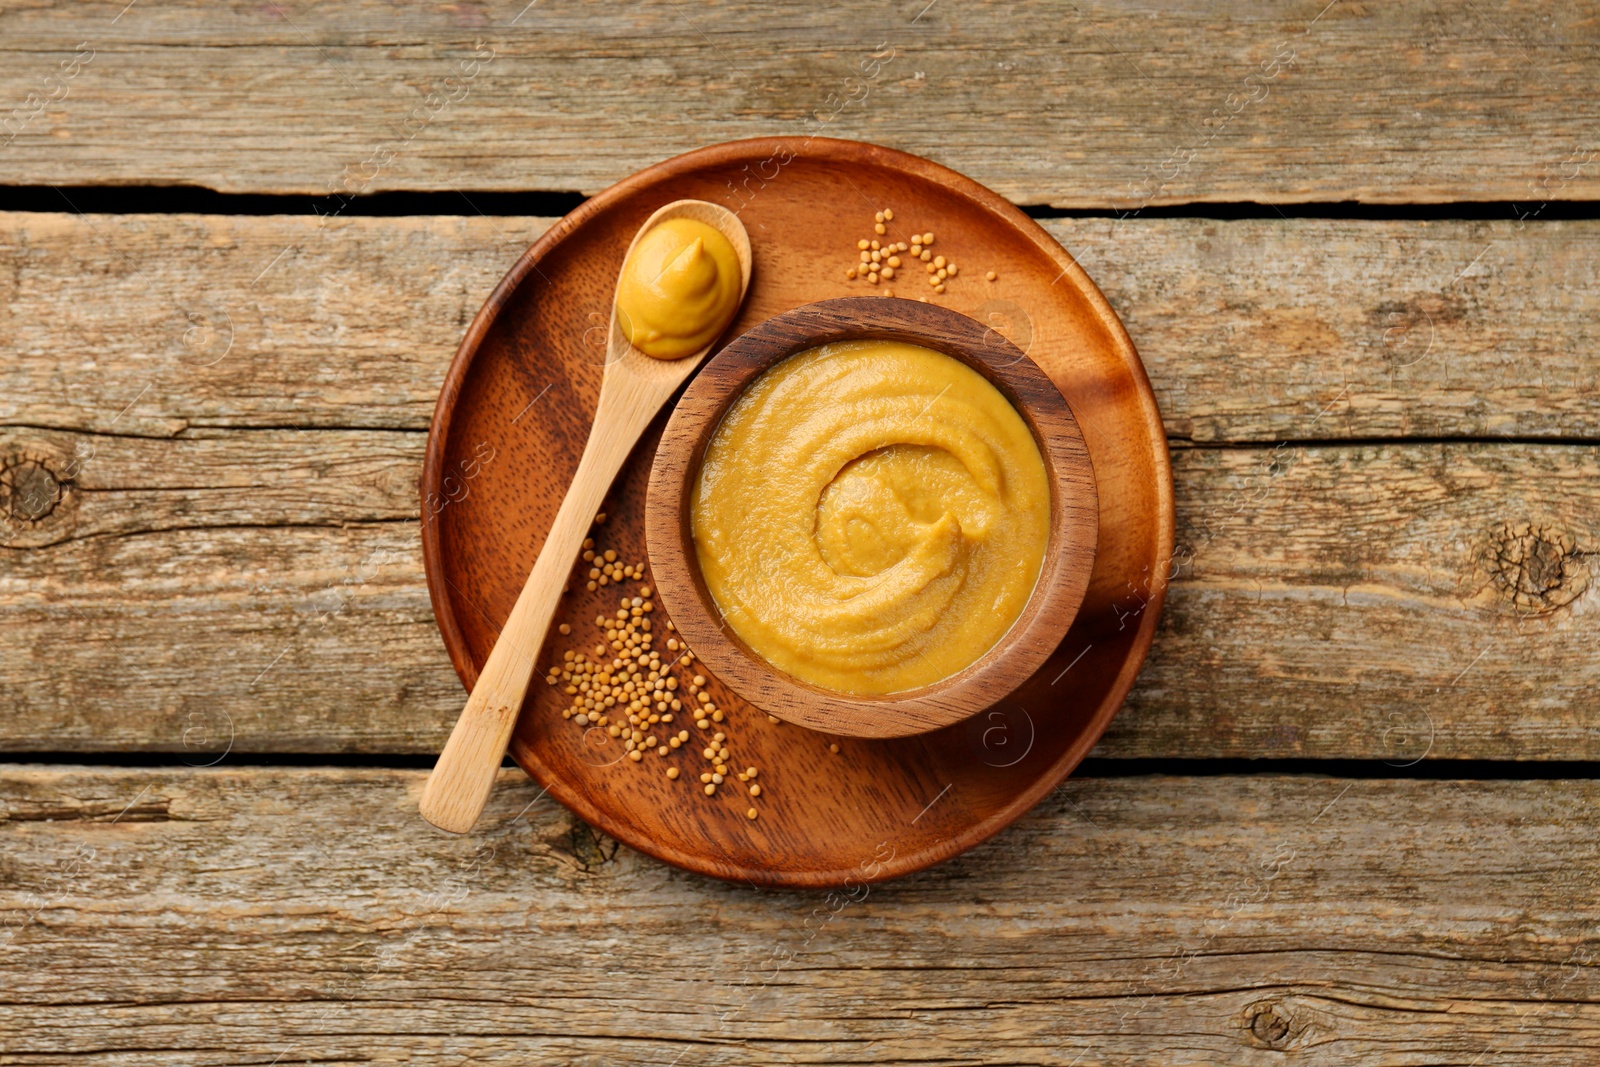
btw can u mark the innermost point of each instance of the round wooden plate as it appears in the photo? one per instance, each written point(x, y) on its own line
point(510, 425)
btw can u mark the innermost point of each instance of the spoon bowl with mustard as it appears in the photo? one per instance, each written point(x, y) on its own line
point(681, 284)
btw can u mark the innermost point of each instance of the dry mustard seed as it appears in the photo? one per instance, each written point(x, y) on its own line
point(862, 244)
point(938, 261)
point(564, 628)
point(833, 748)
point(751, 814)
point(600, 519)
point(879, 228)
point(927, 238)
point(879, 217)
point(888, 214)
point(672, 772)
point(894, 261)
point(755, 790)
point(991, 276)
point(952, 270)
point(887, 272)
point(636, 755)
point(938, 288)
point(711, 789)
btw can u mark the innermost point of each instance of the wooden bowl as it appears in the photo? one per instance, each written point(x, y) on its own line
point(1063, 577)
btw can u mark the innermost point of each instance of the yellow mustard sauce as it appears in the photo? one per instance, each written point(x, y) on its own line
point(871, 516)
point(679, 288)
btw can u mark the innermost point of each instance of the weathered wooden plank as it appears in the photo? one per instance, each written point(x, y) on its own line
point(163, 915)
point(1385, 601)
point(1389, 602)
point(1251, 330)
point(1056, 103)
point(198, 321)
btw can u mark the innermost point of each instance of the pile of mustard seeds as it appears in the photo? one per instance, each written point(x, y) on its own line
point(641, 694)
point(882, 260)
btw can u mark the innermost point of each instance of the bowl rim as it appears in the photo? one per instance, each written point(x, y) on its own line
point(1058, 589)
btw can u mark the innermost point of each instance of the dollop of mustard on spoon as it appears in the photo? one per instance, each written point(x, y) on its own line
point(679, 288)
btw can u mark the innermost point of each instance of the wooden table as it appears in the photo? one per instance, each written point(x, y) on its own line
point(1347, 815)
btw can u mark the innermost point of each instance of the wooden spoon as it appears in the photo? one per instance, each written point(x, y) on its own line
point(631, 393)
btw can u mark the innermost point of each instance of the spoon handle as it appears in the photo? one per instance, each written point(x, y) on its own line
point(459, 786)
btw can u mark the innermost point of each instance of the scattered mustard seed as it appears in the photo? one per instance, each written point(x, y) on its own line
point(629, 687)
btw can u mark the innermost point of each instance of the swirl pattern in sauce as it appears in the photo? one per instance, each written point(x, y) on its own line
point(871, 516)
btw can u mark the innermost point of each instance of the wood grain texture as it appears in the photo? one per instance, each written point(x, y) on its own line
point(1059, 103)
point(1063, 576)
point(1251, 330)
point(197, 551)
point(1331, 593)
point(162, 915)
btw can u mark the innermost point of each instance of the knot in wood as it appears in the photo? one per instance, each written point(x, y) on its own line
point(29, 490)
point(589, 847)
point(1538, 569)
point(1269, 1025)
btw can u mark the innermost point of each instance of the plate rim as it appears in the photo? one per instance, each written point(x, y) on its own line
point(859, 152)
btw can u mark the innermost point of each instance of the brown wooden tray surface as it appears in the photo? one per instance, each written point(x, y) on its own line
point(511, 422)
